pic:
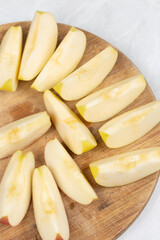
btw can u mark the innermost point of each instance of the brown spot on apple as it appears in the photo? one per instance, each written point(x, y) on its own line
point(58, 237)
point(4, 220)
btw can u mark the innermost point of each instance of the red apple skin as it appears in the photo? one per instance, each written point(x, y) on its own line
point(58, 237)
point(4, 220)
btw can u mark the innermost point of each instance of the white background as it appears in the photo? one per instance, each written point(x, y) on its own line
point(133, 26)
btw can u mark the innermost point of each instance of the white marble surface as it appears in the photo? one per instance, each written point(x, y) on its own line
point(133, 26)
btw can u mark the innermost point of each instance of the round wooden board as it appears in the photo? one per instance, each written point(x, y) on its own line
point(116, 208)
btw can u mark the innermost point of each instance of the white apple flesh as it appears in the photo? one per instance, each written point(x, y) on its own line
point(40, 45)
point(126, 168)
point(15, 188)
point(107, 102)
point(10, 56)
point(23, 132)
point(50, 215)
point(67, 174)
point(63, 61)
point(71, 129)
point(131, 125)
point(86, 78)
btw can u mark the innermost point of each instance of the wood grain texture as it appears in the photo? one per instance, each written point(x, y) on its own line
point(117, 208)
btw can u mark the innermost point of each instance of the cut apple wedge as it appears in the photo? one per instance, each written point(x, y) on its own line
point(10, 55)
point(15, 188)
point(40, 45)
point(131, 125)
point(73, 183)
point(21, 133)
point(73, 132)
point(63, 61)
point(48, 207)
point(86, 78)
point(107, 102)
point(126, 168)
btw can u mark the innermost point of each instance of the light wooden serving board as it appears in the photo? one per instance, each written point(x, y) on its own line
point(118, 207)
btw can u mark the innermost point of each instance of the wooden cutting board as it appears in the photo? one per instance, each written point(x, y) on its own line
point(116, 208)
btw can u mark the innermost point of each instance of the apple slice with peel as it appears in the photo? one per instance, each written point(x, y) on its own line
point(10, 55)
point(126, 168)
point(131, 125)
point(73, 183)
point(107, 102)
point(40, 45)
point(15, 188)
point(73, 132)
point(48, 207)
point(63, 61)
point(86, 78)
point(23, 132)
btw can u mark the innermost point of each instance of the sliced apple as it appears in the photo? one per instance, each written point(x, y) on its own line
point(15, 188)
point(40, 45)
point(107, 102)
point(73, 132)
point(126, 168)
point(131, 125)
point(86, 78)
point(21, 133)
point(63, 61)
point(73, 183)
point(48, 207)
point(10, 55)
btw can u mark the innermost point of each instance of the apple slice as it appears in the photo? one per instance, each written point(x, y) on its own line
point(107, 102)
point(15, 188)
point(73, 183)
point(48, 207)
point(23, 132)
point(40, 45)
point(73, 132)
point(10, 55)
point(126, 168)
point(86, 78)
point(63, 61)
point(131, 125)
